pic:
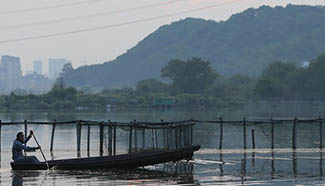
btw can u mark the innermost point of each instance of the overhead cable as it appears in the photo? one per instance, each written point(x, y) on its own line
point(68, 19)
point(42, 8)
point(113, 25)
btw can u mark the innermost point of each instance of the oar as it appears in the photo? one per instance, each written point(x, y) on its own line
point(41, 152)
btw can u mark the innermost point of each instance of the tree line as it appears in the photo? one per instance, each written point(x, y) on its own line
point(187, 83)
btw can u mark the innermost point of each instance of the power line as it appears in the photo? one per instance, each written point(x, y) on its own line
point(68, 19)
point(48, 7)
point(114, 25)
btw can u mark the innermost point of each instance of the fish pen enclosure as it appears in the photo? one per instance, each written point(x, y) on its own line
point(264, 133)
point(121, 137)
point(140, 136)
point(137, 136)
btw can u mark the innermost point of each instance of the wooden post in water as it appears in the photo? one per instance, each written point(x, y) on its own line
point(221, 133)
point(156, 138)
point(294, 137)
point(253, 139)
point(88, 138)
point(25, 127)
point(114, 139)
point(52, 136)
point(164, 134)
point(180, 135)
point(272, 133)
point(135, 136)
point(110, 137)
point(153, 138)
point(78, 128)
point(130, 138)
point(101, 138)
point(184, 134)
point(176, 136)
point(143, 138)
point(320, 133)
point(192, 123)
point(0, 134)
point(167, 136)
point(187, 127)
point(244, 132)
point(170, 136)
point(253, 146)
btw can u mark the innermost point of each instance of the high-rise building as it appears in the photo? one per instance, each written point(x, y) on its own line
point(12, 73)
point(37, 67)
point(56, 66)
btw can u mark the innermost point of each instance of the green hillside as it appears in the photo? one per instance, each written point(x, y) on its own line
point(246, 43)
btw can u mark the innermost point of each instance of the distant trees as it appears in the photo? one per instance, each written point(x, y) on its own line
point(151, 86)
point(238, 88)
point(191, 76)
point(192, 83)
point(274, 80)
point(60, 90)
point(67, 68)
point(282, 79)
point(59, 84)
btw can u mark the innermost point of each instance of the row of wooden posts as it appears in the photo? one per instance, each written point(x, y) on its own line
point(244, 123)
point(174, 134)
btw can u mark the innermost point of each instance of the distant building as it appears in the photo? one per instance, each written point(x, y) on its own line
point(36, 83)
point(11, 73)
point(305, 64)
point(55, 67)
point(37, 67)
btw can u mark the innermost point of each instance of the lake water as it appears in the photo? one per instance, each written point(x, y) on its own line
point(210, 166)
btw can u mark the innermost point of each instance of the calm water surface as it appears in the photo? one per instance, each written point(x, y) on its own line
point(210, 166)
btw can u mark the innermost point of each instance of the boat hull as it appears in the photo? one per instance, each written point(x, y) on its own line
point(133, 160)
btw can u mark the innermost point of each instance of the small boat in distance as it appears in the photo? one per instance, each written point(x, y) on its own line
point(133, 160)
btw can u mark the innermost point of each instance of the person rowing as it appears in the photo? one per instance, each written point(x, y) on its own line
point(18, 147)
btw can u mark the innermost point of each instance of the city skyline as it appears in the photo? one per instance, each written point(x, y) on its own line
point(12, 78)
point(101, 45)
point(37, 65)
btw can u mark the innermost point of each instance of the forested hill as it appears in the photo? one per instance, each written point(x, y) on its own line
point(245, 43)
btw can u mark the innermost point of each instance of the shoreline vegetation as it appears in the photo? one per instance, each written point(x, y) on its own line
point(187, 84)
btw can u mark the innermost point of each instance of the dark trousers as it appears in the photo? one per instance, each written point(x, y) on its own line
point(29, 159)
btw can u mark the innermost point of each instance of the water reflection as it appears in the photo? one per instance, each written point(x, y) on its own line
point(174, 173)
point(17, 180)
point(272, 164)
point(287, 166)
point(321, 164)
point(221, 164)
point(294, 163)
point(19, 176)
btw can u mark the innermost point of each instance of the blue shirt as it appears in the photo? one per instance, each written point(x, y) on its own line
point(18, 147)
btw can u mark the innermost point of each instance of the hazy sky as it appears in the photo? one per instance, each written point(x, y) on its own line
point(29, 18)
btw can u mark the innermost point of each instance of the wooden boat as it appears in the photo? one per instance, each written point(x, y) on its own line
point(133, 160)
